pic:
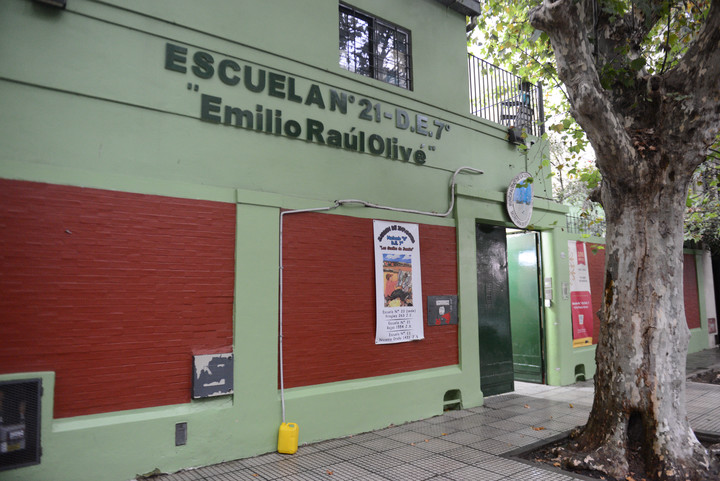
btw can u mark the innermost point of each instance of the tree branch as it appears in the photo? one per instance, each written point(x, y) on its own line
point(590, 105)
point(702, 57)
point(611, 36)
point(694, 86)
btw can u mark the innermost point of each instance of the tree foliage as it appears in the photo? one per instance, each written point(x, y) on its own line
point(702, 222)
point(504, 36)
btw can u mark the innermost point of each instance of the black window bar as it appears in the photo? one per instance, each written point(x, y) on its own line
point(582, 225)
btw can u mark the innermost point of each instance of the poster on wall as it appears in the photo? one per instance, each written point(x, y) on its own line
point(580, 300)
point(712, 325)
point(399, 316)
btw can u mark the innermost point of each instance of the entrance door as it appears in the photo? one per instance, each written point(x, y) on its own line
point(524, 274)
point(496, 359)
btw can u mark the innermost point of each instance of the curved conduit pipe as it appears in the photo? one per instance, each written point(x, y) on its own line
point(337, 204)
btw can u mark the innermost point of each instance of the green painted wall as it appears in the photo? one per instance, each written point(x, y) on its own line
point(87, 101)
point(571, 359)
point(110, 108)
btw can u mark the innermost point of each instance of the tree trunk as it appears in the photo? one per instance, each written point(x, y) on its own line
point(649, 133)
point(640, 382)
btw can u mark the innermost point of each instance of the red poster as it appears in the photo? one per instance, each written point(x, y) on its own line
point(580, 300)
point(582, 315)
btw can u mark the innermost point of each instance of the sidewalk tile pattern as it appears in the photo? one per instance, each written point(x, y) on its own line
point(458, 445)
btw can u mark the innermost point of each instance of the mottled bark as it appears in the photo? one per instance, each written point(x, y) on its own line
point(640, 384)
point(649, 136)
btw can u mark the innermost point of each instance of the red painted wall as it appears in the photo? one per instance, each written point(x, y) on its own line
point(596, 264)
point(113, 291)
point(329, 301)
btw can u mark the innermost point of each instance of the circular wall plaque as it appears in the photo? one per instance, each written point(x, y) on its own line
point(519, 199)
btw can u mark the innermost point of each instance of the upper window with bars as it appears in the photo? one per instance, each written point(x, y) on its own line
point(375, 48)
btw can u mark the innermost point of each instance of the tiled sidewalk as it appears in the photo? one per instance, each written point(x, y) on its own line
point(459, 445)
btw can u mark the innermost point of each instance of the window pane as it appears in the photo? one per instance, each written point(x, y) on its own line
point(391, 52)
point(355, 54)
point(384, 45)
point(403, 82)
point(401, 41)
point(374, 48)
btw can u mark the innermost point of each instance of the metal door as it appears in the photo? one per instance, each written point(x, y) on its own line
point(524, 275)
point(496, 360)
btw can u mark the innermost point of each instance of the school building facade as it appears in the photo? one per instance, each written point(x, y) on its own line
point(219, 217)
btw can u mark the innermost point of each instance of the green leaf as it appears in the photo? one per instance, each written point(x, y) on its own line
point(638, 63)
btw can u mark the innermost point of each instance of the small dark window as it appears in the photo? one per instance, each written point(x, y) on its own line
point(374, 48)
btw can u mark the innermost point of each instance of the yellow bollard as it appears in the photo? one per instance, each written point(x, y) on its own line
point(288, 438)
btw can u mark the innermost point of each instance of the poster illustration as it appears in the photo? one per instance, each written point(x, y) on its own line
point(580, 300)
point(398, 288)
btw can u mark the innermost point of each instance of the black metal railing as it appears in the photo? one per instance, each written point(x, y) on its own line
point(583, 225)
point(504, 98)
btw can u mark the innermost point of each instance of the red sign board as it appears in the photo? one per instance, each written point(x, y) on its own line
point(580, 299)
